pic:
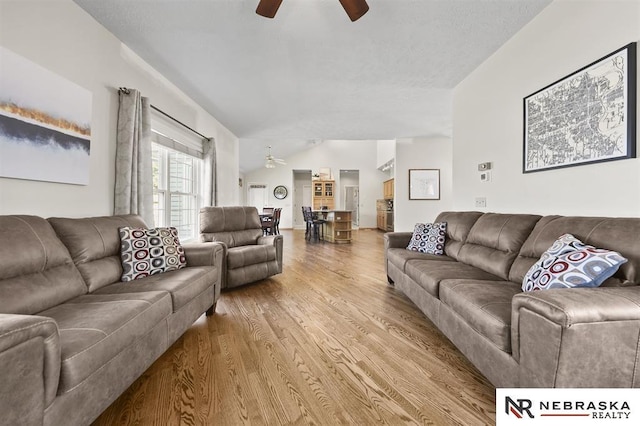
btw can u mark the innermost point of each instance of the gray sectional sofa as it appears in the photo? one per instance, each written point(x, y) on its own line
point(72, 336)
point(578, 337)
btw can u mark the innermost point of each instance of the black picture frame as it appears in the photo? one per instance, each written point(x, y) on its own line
point(424, 184)
point(587, 117)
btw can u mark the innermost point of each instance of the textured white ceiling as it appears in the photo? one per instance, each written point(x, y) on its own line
point(310, 73)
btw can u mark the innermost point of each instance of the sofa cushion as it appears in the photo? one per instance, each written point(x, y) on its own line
point(458, 226)
point(428, 238)
point(495, 240)
point(36, 271)
point(233, 226)
point(619, 234)
point(94, 245)
point(429, 273)
point(183, 285)
point(95, 328)
point(400, 256)
point(485, 306)
point(145, 252)
point(239, 257)
point(570, 263)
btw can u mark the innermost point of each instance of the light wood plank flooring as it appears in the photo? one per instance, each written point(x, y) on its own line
point(326, 342)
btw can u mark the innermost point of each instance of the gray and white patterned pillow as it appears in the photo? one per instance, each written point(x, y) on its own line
point(145, 252)
point(571, 263)
point(428, 238)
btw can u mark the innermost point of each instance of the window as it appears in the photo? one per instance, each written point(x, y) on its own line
point(176, 190)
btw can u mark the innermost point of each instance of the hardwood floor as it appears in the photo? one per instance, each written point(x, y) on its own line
point(326, 342)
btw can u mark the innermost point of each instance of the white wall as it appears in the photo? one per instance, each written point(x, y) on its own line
point(61, 37)
point(488, 116)
point(421, 153)
point(338, 155)
point(386, 151)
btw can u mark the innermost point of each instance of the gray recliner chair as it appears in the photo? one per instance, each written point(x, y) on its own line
point(248, 255)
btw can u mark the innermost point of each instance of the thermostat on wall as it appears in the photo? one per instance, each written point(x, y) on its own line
point(485, 176)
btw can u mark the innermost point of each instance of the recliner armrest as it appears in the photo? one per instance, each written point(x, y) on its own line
point(277, 241)
point(556, 334)
point(29, 367)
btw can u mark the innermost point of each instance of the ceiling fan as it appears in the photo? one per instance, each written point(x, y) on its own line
point(354, 8)
point(271, 162)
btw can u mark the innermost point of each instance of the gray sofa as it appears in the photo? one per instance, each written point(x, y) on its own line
point(249, 256)
point(72, 336)
point(581, 337)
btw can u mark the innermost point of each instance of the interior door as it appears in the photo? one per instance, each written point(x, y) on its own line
point(301, 196)
point(352, 202)
point(257, 195)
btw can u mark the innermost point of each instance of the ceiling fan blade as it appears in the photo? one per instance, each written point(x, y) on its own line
point(268, 8)
point(279, 161)
point(355, 8)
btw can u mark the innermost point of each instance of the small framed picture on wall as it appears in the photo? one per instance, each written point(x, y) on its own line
point(424, 184)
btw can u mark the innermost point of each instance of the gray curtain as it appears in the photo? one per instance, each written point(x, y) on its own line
point(209, 161)
point(134, 178)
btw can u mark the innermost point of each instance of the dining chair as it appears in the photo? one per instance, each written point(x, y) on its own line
point(267, 225)
point(315, 226)
point(276, 221)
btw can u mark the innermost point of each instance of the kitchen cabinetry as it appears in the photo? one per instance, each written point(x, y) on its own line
point(323, 195)
point(381, 220)
point(337, 229)
point(388, 189)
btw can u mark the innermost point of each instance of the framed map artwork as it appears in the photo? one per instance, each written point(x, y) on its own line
point(586, 117)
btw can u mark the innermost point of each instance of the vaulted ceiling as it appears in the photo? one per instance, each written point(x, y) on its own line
point(310, 73)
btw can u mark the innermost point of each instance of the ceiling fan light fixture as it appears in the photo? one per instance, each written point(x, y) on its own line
point(270, 165)
point(268, 8)
point(355, 8)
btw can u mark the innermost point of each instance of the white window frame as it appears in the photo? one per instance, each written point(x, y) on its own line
point(163, 193)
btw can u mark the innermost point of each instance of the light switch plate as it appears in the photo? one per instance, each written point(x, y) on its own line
point(481, 202)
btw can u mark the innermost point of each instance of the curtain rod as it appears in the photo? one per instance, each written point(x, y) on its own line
point(127, 91)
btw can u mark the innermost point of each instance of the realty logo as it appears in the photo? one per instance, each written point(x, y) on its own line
point(518, 408)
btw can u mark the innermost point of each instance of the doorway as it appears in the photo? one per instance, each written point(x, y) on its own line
point(352, 202)
point(257, 195)
point(302, 196)
point(350, 188)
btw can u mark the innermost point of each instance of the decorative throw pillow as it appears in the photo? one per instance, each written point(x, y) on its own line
point(428, 238)
point(145, 252)
point(571, 263)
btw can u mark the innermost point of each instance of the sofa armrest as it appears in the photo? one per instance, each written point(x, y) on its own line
point(277, 241)
point(586, 337)
point(204, 254)
point(29, 367)
point(397, 239)
point(208, 254)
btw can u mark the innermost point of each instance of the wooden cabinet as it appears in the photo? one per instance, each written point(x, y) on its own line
point(381, 220)
point(388, 189)
point(323, 194)
point(338, 226)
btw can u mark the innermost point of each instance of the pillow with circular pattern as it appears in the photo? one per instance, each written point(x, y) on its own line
point(428, 238)
point(145, 252)
point(571, 263)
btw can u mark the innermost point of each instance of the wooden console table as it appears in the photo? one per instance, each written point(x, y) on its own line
point(338, 227)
